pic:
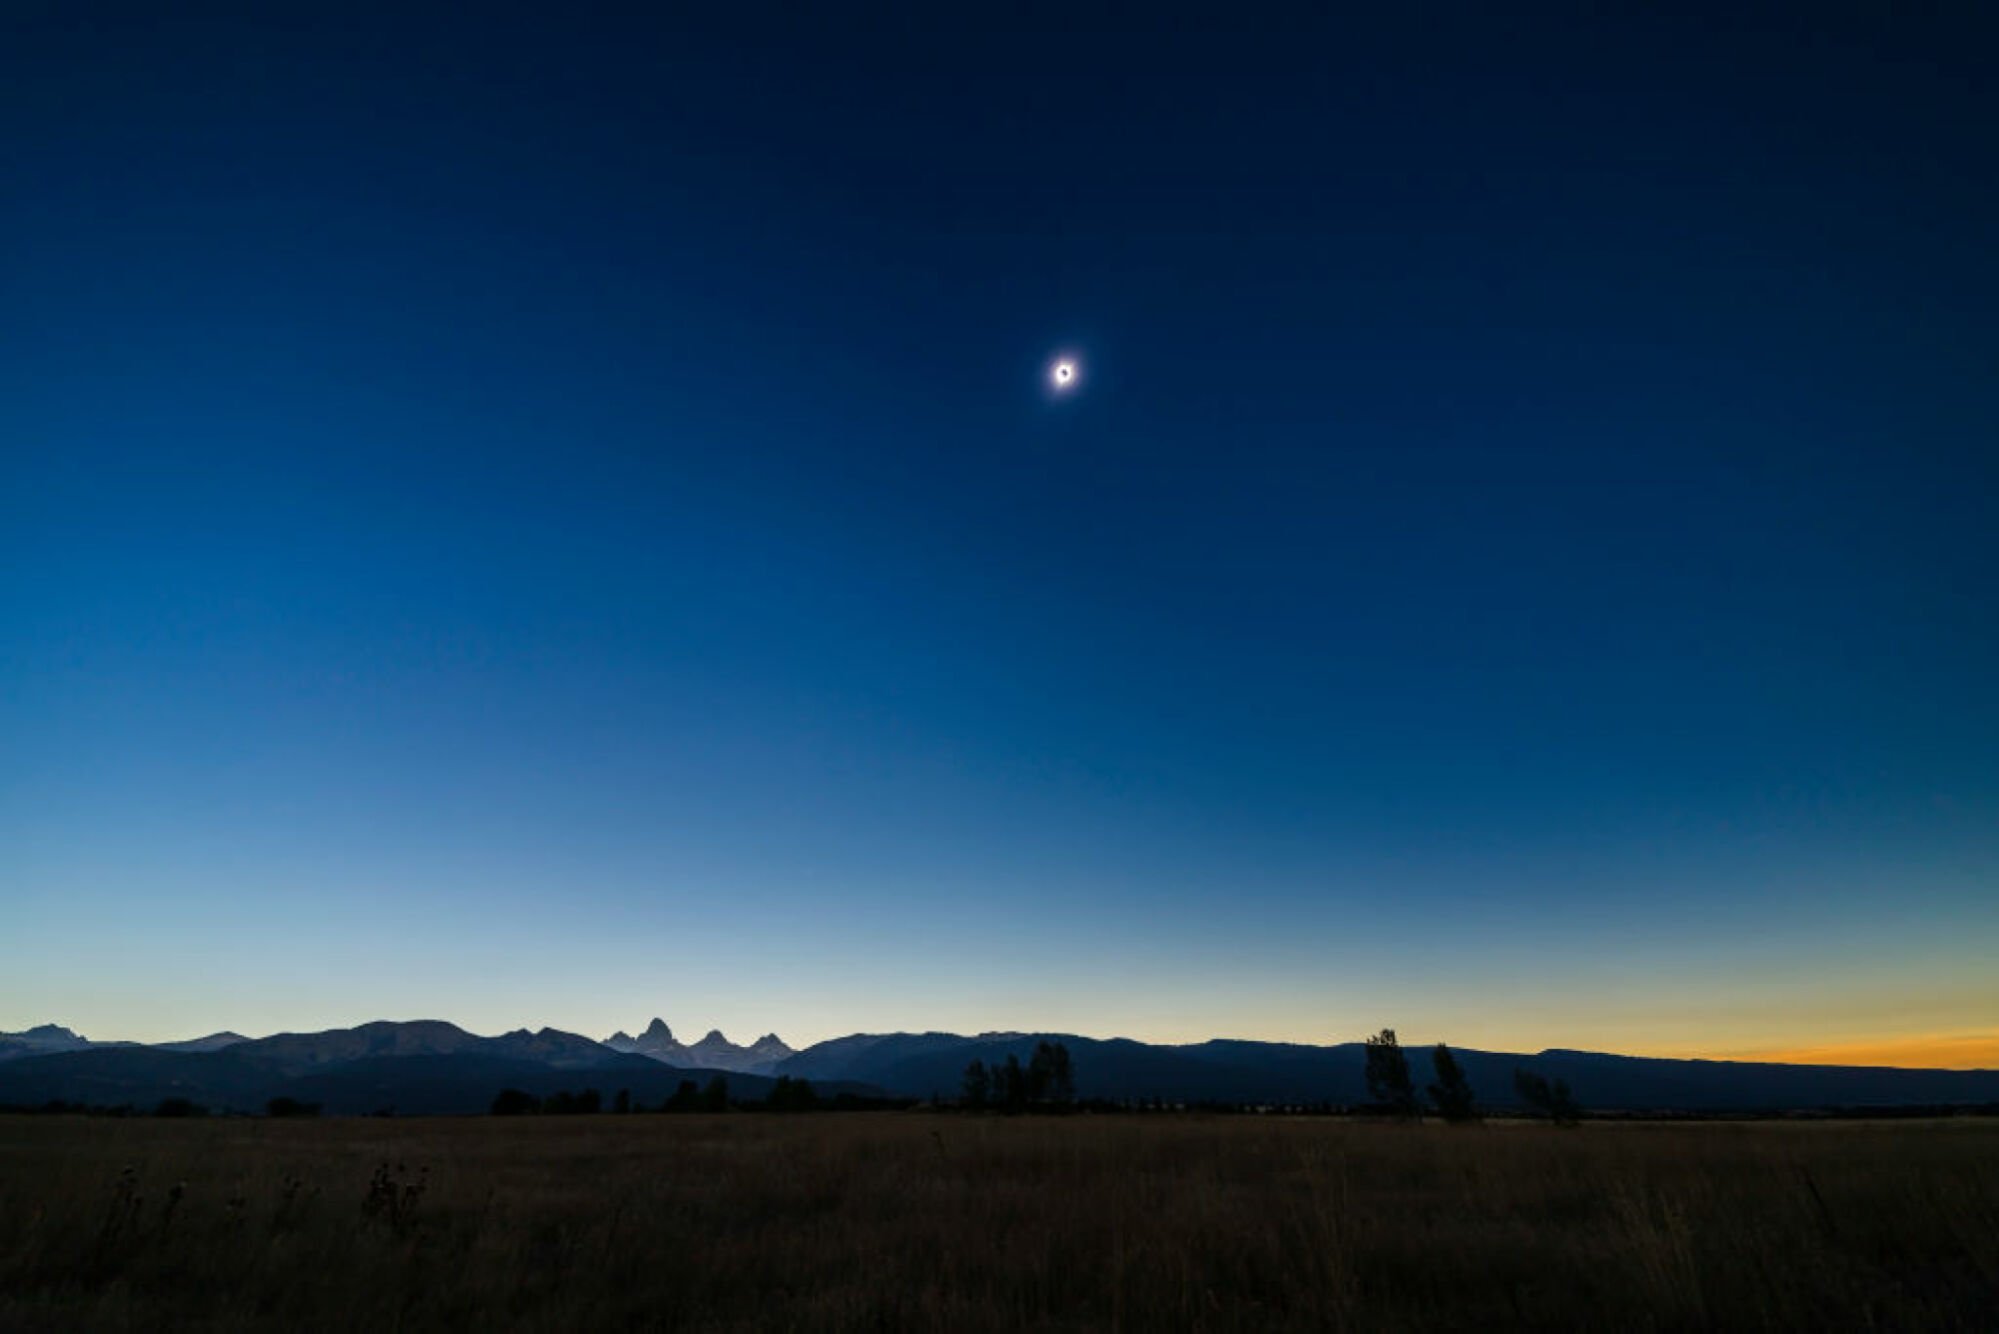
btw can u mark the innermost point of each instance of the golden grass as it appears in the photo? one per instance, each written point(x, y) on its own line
point(916, 1222)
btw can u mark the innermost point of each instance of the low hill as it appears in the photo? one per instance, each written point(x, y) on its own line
point(213, 1042)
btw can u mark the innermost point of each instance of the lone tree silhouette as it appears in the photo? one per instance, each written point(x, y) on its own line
point(715, 1098)
point(978, 1090)
point(1012, 1084)
point(1451, 1094)
point(1388, 1082)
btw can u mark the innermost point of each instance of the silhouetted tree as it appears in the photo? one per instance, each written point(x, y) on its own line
point(513, 1102)
point(179, 1107)
point(290, 1107)
point(686, 1098)
point(978, 1089)
point(1451, 1094)
point(1553, 1101)
point(1061, 1074)
point(1050, 1077)
point(1388, 1081)
point(1012, 1083)
point(623, 1102)
point(715, 1098)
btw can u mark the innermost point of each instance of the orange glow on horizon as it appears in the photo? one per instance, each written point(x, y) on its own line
point(1958, 1051)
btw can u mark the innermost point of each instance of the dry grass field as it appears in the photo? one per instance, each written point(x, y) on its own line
point(893, 1221)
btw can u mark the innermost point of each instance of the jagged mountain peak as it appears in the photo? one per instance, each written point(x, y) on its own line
point(713, 1052)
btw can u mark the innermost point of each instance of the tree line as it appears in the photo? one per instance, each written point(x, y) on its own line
point(1047, 1082)
point(786, 1095)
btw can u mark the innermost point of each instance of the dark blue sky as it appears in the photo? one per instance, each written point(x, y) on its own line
point(555, 517)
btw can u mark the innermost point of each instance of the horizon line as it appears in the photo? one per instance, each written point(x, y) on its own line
point(1945, 1050)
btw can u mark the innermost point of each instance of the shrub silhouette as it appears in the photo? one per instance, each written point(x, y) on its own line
point(564, 1103)
point(179, 1107)
point(686, 1098)
point(393, 1197)
point(290, 1107)
point(715, 1098)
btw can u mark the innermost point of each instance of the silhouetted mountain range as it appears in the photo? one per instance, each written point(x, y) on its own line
point(47, 1038)
point(429, 1066)
point(425, 1067)
point(1235, 1071)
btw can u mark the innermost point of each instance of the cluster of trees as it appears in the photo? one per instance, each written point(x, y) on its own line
point(177, 1107)
point(688, 1098)
point(792, 1095)
point(692, 1097)
point(1393, 1089)
point(514, 1102)
point(786, 1095)
point(1048, 1080)
point(1551, 1100)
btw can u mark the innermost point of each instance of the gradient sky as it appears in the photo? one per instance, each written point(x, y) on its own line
point(553, 517)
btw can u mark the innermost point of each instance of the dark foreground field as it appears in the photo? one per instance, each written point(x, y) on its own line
point(913, 1221)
